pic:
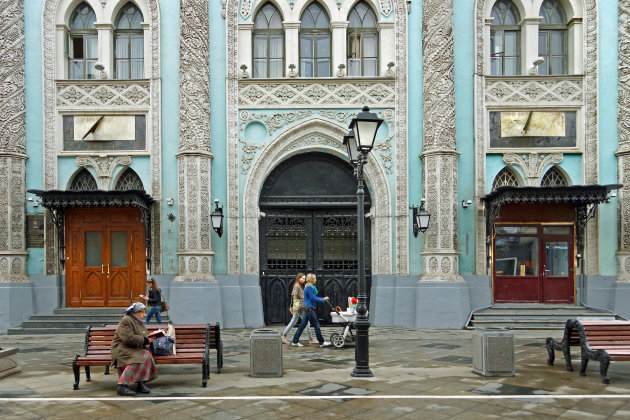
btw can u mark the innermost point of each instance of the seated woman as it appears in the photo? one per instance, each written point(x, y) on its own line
point(130, 354)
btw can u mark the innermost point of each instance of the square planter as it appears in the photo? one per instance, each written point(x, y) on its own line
point(265, 354)
point(9, 362)
point(493, 353)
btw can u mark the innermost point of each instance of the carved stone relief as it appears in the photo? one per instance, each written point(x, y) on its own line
point(623, 154)
point(68, 94)
point(195, 152)
point(299, 93)
point(532, 164)
point(386, 7)
point(12, 143)
point(567, 91)
point(72, 93)
point(439, 154)
point(104, 167)
point(322, 136)
point(246, 8)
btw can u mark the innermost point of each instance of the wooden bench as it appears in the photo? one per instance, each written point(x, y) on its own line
point(602, 341)
point(193, 345)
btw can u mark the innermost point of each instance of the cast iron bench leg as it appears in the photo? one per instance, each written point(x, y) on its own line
point(205, 370)
point(564, 347)
point(87, 374)
point(77, 373)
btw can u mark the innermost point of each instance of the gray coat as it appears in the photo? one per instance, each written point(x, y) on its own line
point(128, 342)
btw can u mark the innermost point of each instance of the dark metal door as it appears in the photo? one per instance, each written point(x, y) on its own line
point(323, 242)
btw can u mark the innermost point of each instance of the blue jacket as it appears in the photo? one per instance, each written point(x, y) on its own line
point(310, 298)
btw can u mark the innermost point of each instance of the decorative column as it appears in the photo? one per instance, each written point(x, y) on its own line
point(442, 295)
point(12, 144)
point(439, 156)
point(195, 151)
point(623, 153)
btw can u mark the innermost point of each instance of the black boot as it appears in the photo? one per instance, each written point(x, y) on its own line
point(125, 391)
point(141, 387)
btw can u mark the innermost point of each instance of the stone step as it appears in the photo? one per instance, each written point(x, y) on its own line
point(89, 311)
point(44, 331)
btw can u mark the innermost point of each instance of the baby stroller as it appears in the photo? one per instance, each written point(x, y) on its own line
point(346, 319)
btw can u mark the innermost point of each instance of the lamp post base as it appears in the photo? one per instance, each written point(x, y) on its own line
point(362, 373)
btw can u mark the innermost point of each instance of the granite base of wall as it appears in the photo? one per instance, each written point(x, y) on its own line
point(622, 297)
point(233, 301)
point(403, 301)
point(16, 304)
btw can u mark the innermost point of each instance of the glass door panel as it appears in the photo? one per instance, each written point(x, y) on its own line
point(93, 256)
point(118, 249)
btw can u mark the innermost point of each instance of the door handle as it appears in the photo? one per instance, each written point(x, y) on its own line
point(108, 269)
point(102, 268)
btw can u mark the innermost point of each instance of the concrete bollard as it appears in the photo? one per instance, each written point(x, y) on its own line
point(265, 358)
point(493, 353)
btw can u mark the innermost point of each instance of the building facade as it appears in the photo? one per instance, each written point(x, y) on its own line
point(126, 123)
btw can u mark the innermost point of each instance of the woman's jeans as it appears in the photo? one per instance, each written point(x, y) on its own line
point(309, 316)
point(154, 310)
point(292, 323)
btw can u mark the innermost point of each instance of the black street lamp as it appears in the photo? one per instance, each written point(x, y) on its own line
point(359, 141)
point(216, 217)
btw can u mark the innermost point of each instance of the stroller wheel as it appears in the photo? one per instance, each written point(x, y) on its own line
point(337, 340)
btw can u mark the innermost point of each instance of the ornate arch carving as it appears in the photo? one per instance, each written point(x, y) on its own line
point(401, 189)
point(322, 136)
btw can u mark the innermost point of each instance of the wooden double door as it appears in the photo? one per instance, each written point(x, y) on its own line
point(105, 257)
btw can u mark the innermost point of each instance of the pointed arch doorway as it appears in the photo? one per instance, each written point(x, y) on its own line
point(309, 226)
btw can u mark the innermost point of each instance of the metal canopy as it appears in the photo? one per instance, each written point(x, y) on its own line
point(58, 201)
point(585, 198)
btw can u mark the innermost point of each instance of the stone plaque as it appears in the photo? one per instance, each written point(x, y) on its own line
point(34, 230)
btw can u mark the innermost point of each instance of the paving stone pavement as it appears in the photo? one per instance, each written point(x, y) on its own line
point(417, 374)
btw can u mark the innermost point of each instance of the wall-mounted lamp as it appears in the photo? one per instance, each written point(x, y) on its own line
point(101, 67)
point(421, 218)
point(35, 201)
point(217, 219)
point(466, 203)
point(170, 201)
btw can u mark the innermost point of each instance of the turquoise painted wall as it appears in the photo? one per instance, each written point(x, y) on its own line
point(169, 48)
point(463, 33)
point(34, 111)
point(608, 141)
point(414, 130)
point(218, 129)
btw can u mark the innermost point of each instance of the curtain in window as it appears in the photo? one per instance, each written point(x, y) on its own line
point(552, 38)
point(315, 42)
point(268, 43)
point(362, 41)
point(505, 39)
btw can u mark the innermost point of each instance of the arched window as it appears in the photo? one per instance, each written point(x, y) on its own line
point(129, 41)
point(552, 38)
point(315, 39)
point(82, 45)
point(268, 43)
point(553, 178)
point(129, 180)
point(505, 178)
point(83, 181)
point(505, 36)
point(362, 41)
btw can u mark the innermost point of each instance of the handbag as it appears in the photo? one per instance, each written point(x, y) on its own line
point(162, 346)
point(164, 306)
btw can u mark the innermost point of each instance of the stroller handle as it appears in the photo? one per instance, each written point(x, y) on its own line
point(336, 309)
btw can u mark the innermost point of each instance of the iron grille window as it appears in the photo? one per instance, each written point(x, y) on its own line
point(339, 241)
point(553, 178)
point(315, 39)
point(505, 178)
point(83, 181)
point(505, 35)
point(552, 38)
point(362, 41)
point(286, 242)
point(129, 41)
point(82, 43)
point(268, 43)
point(129, 180)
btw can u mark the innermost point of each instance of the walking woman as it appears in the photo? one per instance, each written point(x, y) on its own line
point(297, 297)
point(129, 352)
point(154, 301)
point(310, 300)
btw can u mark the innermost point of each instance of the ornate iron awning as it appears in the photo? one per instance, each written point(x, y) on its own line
point(58, 201)
point(585, 198)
